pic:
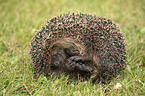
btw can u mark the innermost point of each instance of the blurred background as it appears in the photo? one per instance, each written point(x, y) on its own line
point(20, 20)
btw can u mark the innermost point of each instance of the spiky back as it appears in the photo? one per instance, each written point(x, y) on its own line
point(100, 36)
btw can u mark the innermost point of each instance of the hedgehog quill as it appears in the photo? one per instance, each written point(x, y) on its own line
point(79, 45)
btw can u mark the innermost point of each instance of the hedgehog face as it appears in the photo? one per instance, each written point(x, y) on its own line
point(58, 59)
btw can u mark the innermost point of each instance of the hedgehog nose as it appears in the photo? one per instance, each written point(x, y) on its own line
point(56, 64)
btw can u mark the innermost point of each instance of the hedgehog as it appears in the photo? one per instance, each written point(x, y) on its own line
point(79, 45)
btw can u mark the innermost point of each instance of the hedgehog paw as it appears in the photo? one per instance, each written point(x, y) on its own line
point(74, 63)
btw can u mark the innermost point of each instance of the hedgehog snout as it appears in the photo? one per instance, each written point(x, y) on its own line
point(56, 61)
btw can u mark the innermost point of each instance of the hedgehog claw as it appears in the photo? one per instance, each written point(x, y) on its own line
point(83, 67)
point(73, 63)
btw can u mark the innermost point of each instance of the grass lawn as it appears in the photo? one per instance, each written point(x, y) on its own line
point(19, 21)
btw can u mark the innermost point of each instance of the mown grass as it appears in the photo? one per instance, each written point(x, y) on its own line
point(19, 20)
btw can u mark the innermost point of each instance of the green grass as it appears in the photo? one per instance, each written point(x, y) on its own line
point(19, 21)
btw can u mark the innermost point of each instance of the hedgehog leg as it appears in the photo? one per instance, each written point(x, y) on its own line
point(74, 63)
point(82, 67)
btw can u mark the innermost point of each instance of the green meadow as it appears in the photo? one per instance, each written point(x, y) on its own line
point(19, 22)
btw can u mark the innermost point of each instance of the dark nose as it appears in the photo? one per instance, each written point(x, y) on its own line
point(56, 64)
